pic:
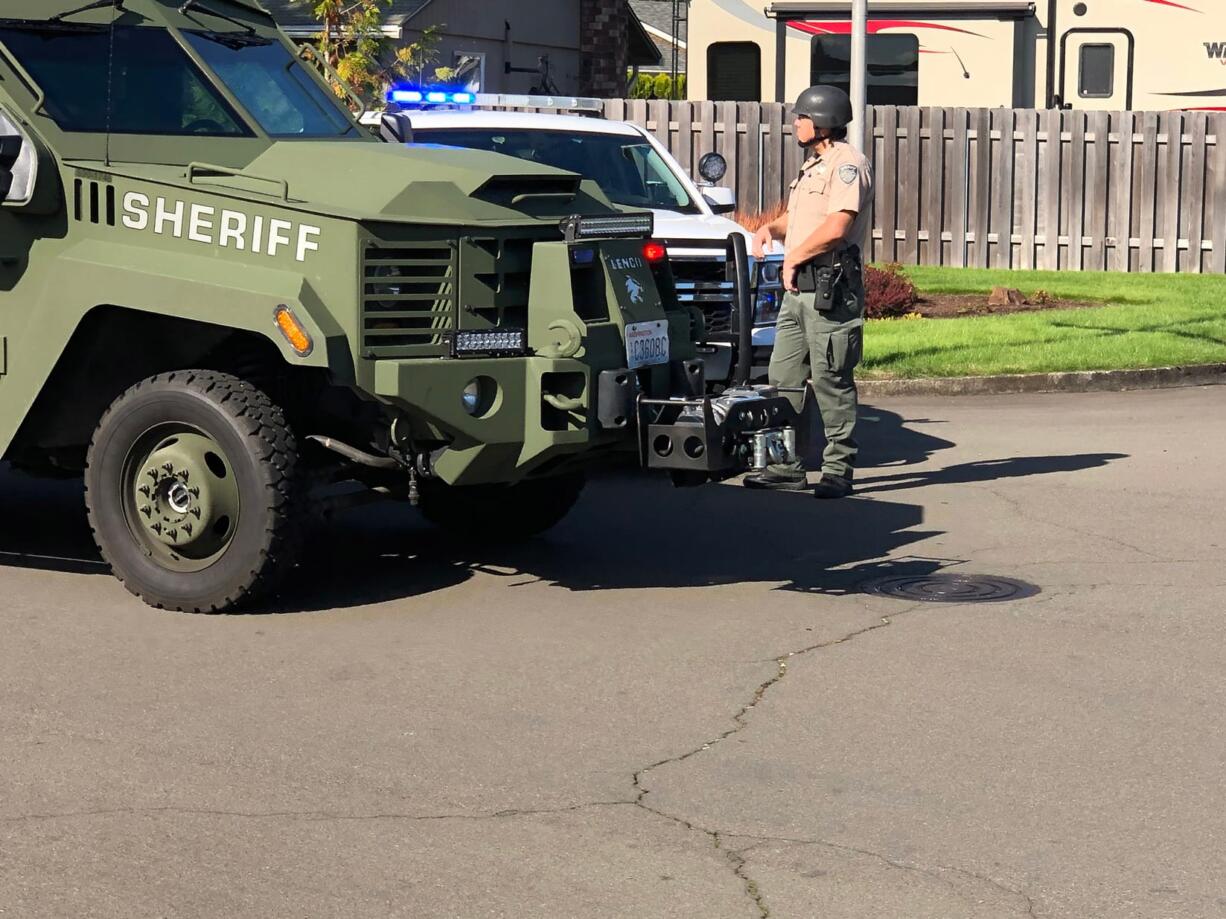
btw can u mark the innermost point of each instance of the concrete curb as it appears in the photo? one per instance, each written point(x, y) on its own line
point(1082, 381)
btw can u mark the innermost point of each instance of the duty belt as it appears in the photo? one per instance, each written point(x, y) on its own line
point(822, 274)
point(844, 258)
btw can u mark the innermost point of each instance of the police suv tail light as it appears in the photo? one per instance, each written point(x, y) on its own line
point(490, 343)
point(628, 226)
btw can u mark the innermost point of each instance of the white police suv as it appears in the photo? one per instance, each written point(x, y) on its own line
point(633, 169)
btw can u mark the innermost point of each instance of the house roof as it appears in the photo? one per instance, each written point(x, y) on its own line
point(656, 17)
point(296, 15)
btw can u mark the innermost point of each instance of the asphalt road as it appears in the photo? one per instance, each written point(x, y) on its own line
point(678, 704)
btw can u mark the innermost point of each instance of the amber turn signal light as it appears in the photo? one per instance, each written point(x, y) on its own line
point(291, 328)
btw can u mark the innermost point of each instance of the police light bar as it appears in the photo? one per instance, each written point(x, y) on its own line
point(511, 100)
point(630, 226)
point(430, 97)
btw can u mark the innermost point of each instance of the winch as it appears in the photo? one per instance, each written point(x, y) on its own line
point(743, 429)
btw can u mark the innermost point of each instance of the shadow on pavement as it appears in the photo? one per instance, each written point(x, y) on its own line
point(628, 531)
point(986, 471)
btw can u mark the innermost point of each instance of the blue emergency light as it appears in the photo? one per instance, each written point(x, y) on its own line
point(431, 97)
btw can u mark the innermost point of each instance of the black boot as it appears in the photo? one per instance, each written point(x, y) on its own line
point(776, 481)
point(832, 486)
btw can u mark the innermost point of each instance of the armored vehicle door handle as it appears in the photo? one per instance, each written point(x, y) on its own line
point(200, 170)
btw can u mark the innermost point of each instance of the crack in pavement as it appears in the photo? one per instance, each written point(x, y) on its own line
point(310, 816)
point(933, 872)
point(740, 722)
point(735, 858)
point(1026, 513)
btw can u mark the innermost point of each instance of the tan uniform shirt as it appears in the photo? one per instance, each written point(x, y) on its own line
point(840, 179)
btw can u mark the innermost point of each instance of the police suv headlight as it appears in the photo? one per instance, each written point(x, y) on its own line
point(766, 307)
point(768, 291)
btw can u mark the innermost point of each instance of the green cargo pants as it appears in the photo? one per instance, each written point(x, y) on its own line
point(823, 347)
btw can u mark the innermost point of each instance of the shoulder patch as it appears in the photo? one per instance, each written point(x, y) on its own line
point(849, 174)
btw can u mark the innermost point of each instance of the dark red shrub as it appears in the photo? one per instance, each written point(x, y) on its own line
point(888, 292)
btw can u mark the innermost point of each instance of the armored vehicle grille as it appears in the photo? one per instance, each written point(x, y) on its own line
point(498, 276)
point(93, 202)
point(408, 299)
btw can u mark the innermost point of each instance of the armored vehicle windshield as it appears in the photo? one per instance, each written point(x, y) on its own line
point(159, 82)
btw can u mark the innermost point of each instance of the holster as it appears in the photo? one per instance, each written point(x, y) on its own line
point(821, 276)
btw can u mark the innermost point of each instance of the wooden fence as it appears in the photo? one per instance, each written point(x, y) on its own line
point(1002, 188)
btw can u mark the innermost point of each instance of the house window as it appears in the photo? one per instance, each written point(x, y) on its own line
point(734, 71)
point(469, 69)
point(1097, 75)
point(893, 66)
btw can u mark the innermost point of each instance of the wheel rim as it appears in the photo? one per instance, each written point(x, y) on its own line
point(181, 497)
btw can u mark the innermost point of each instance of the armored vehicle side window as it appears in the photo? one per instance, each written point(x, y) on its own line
point(154, 86)
point(273, 87)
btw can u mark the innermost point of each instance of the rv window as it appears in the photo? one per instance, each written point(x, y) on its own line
point(893, 66)
point(734, 71)
point(1097, 79)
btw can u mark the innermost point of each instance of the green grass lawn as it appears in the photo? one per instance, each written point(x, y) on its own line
point(1146, 321)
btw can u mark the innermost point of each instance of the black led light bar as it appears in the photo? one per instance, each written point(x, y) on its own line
point(621, 226)
point(489, 343)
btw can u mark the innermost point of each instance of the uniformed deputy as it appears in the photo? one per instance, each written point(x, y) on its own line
point(819, 336)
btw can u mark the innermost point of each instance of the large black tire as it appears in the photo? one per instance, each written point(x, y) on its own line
point(501, 513)
point(222, 440)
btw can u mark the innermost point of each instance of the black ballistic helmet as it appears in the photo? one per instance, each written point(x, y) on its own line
point(827, 106)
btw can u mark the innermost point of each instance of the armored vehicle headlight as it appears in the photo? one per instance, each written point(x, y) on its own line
point(388, 284)
point(480, 396)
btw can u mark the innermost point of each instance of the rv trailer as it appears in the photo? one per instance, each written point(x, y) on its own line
point(1084, 54)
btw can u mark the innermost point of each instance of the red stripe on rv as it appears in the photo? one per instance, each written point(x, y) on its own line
point(875, 26)
point(1178, 6)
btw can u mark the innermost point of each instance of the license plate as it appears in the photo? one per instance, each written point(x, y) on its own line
point(646, 344)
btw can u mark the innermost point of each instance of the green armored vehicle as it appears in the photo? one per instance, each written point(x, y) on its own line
point(218, 295)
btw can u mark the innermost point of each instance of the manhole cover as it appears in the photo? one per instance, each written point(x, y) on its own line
point(952, 588)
